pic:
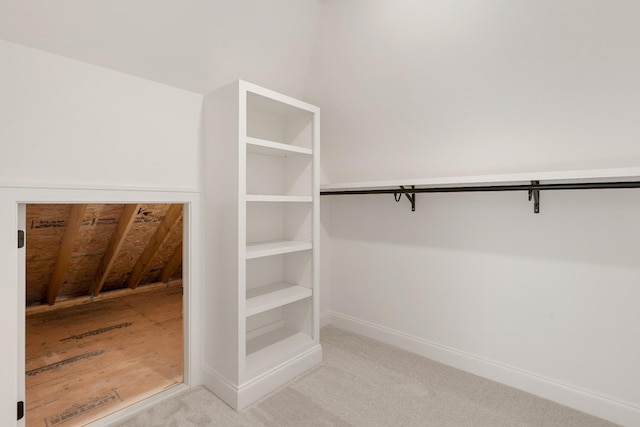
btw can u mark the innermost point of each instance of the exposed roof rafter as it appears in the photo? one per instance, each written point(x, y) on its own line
point(127, 218)
point(172, 265)
point(64, 253)
point(173, 215)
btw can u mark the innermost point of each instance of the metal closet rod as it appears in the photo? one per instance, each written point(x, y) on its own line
point(533, 188)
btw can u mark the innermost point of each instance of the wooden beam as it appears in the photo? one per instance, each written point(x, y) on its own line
point(104, 296)
point(172, 264)
point(64, 253)
point(127, 218)
point(174, 213)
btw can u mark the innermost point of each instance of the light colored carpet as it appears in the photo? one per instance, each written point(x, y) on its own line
point(363, 382)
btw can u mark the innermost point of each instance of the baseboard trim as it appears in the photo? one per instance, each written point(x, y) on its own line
point(325, 319)
point(277, 377)
point(239, 397)
point(220, 386)
point(605, 407)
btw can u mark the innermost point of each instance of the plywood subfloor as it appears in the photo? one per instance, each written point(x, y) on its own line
point(87, 361)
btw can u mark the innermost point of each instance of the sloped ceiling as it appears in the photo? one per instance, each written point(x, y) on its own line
point(434, 87)
point(197, 45)
point(80, 250)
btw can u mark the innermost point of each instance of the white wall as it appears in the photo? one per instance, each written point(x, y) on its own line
point(415, 89)
point(71, 125)
point(67, 122)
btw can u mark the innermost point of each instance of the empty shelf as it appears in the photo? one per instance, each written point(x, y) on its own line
point(583, 175)
point(275, 295)
point(263, 249)
point(271, 148)
point(274, 347)
point(276, 198)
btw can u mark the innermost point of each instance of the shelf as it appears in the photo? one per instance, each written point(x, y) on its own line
point(264, 249)
point(275, 295)
point(274, 347)
point(271, 148)
point(591, 175)
point(270, 198)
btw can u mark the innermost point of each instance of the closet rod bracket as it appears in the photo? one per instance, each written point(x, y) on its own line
point(535, 194)
point(410, 196)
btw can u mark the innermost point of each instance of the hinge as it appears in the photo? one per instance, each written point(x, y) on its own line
point(20, 410)
point(20, 239)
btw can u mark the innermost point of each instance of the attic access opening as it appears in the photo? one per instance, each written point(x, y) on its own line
point(104, 323)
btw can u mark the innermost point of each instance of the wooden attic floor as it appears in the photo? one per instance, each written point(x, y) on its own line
point(87, 361)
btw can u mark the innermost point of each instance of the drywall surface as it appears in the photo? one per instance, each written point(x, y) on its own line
point(420, 89)
point(546, 303)
point(325, 260)
point(71, 131)
point(197, 45)
point(66, 122)
point(413, 89)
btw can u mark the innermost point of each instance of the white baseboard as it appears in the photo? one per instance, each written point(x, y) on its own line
point(239, 397)
point(220, 386)
point(277, 377)
point(605, 407)
point(325, 319)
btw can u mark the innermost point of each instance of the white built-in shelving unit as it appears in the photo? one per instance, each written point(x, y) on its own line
point(262, 210)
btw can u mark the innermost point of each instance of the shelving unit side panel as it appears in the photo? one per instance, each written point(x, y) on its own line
point(222, 222)
point(315, 268)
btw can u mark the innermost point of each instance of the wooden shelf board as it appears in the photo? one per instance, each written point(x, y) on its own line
point(586, 175)
point(264, 249)
point(274, 347)
point(272, 148)
point(278, 198)
point(274, 295)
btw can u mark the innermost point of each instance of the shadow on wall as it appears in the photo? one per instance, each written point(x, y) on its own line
point(591, 226)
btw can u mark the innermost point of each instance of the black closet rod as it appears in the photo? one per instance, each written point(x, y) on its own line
point(533, 188)
point(517, 187)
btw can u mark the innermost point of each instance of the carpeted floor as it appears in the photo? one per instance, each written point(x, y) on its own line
point(363, 382)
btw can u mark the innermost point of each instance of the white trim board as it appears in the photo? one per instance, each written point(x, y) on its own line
point(240, 397)
point(138, 407)
point(605, 407)
point(193, 307)
point(510, 178)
